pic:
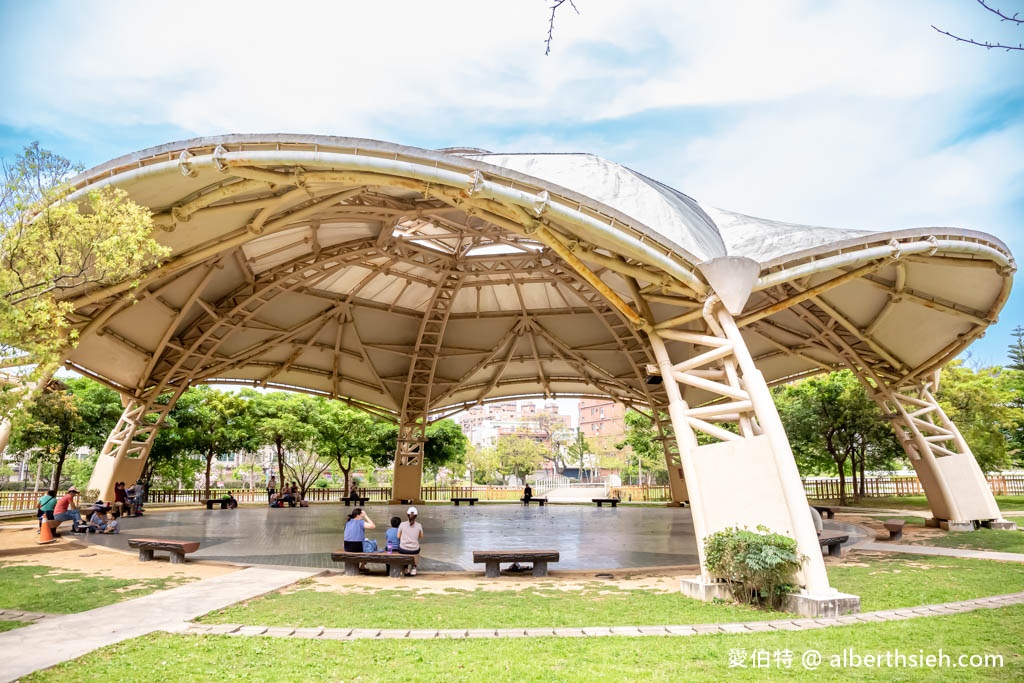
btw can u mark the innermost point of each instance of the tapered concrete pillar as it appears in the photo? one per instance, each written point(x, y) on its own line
point(958, 493)
point(408, 471)
point(123, 456)
point(749, 478)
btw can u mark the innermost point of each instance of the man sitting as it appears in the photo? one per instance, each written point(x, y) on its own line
point(67, 508)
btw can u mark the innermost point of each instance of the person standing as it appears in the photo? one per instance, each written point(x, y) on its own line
point(409, 534)
point(271, 488)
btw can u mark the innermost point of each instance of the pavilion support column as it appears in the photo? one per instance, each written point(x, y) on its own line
point(123, 456)
point(673, 461)
point(958, 493)
point(749, 477)
point(408, 462)
point(28, 394)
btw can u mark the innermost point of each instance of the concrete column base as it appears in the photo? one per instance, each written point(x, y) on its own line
point(955, 525)
point(1000, 524)
point(834, 604)
point(705, 592)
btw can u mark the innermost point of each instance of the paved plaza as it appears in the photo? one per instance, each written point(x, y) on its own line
point(586, 536)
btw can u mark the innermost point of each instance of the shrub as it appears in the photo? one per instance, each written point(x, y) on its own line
point(760, 566)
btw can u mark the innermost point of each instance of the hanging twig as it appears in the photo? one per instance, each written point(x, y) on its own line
point(551, 22)
point(985, 44)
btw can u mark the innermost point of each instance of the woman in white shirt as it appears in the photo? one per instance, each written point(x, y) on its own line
point(409, 534)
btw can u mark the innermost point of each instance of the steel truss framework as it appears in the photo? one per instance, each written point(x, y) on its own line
point(415, 284)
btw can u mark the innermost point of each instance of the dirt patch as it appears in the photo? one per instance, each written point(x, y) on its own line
point(912, 533)
point(18, 547)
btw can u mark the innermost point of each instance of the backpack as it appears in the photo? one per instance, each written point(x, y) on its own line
point(369, 545)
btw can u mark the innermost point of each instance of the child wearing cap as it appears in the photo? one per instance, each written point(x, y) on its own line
point(409, 534)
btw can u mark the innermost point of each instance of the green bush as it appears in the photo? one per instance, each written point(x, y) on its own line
point(760, 566)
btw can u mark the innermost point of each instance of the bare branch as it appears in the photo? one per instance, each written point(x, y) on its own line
point(1002, 17)
point(551, 22)
point(986, 45)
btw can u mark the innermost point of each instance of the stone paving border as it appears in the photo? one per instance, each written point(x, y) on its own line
point(899, 614)
point(17, 615)
point(939, 551)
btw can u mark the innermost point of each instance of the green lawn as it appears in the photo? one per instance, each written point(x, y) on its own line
point(11, 625)
point(981, 539)
point(883, 583)
point(166, 657)
point(595, 605)
point(55, 591)
point(1006, 503)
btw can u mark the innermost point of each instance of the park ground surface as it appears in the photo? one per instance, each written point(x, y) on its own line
point(69, 576)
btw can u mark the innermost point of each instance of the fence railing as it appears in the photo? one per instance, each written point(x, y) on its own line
point(827, 489)
point(885, 486)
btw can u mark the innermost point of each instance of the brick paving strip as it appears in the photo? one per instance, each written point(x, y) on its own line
point(17, 615)
point(899, 614)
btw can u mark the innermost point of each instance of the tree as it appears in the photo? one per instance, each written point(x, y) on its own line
point(49, 247)
point(482, 464)
point(445, 446)
point(345, 435)
point(213, 423)
point(65, 418)
point(831, 418)
point(985, 405)
point(577, 452)
point(982, 43)
point(649, 457)
point(283, 421)
point(517, 456)
point(1016, 350)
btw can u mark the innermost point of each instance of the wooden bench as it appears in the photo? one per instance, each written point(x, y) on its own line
point(539, 501)
point(394, 561)
point(177, 549)
point(360, 501)
point(492, 560)
point(213, 501)
point(471, 501)
point(825, 511)
point(895, 528)
point(602, 501)
point(834, 543)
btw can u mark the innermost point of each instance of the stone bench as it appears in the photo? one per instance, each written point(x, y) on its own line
point(214, 501)
point(895, 528)
point(539, 501)
point(177, 549)
point(825, 511)
point(359, 501)
point(601, 501)
point(492, 560)
point(834, 543)
point(471, 501)
point(394, 561)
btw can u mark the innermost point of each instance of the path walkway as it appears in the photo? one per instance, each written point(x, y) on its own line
point(58, 639)
point(944, 552)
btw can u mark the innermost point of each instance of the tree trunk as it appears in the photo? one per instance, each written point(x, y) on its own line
point(55, 482)
point(280, 464)
point(863, 486)
point(209, 462)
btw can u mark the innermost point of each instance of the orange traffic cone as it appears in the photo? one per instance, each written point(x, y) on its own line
point(45, 534)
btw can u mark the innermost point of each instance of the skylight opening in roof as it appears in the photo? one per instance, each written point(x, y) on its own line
point(503, 249)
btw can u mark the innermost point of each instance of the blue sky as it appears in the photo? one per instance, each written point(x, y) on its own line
point(847, 114)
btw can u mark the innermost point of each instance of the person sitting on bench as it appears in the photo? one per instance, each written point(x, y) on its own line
point(66, 508)
point(527, 494)
point(353, 494)
point(46, 505)
point(355, 532)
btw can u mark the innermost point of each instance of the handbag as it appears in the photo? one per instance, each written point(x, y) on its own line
point(369, 545)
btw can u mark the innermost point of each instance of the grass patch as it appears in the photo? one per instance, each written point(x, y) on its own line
point(910, 580)
point(1005, 503)
point(167, 657)
point(1001, 540)
point(598, 605)
point(11, 625)
point(45, 589)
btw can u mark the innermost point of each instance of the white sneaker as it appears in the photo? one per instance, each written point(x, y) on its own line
point(412, 572)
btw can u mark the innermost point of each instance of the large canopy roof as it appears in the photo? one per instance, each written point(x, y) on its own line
point(395, 277)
